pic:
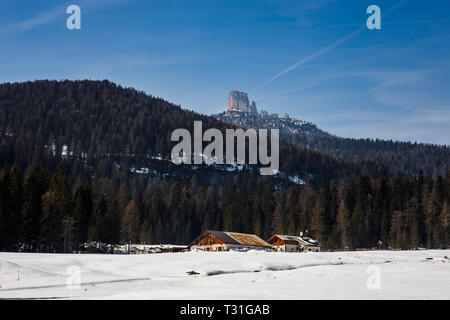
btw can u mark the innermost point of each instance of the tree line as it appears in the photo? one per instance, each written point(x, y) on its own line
point(55, 203)
point(407, 157)
point(47, 212)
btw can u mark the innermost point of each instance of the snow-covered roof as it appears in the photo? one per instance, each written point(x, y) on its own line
point(311, 241)
point(303, 240)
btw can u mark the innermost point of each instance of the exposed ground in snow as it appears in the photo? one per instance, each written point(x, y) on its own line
point(228, 275)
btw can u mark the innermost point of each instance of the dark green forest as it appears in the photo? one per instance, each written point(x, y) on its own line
point(47, 213)
point(404, 156)
point(407, 157)
point(55, 202)
point(103, 124)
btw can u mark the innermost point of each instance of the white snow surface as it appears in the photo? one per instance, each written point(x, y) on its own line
point(423, 274)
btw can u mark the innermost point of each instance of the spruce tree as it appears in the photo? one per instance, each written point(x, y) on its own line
point(36, 184)
point(11, 201)
point(56, 208)
point(82, 212)
point(130, 223)
point(111, 221)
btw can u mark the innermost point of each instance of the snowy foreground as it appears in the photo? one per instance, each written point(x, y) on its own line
point(228, 275)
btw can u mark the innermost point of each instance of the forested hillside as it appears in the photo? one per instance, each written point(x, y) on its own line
point(404, 156)
point(407, 157)
point(105, 126)
point(72, 153)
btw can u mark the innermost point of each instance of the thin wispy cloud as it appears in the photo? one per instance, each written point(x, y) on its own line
point(324, 50)
point(432, 116)
point(311, 57)
point(48, 16)
point(194, 53)
point(406, 89)
point(313, 4)
point(28, 24)
point(313, 83)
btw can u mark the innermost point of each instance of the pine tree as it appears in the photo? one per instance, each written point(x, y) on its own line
point(56, 207)
point(413, 223)
point(398, 230)
point(82, 213)
point(17, 201)
point(35, 186)
point(242, 205)
point(382, 211)
point(11, 201)
point(7, 240)
point(320, 224)
point(360, 233)
point(343, 224)
point(267, 205)
point(130, 223)
point(277, 227)
point(97, 228)
point(290, 221)
point(228, 218)
point(111, 221)
point(445, 224)
point(433, 208)
point(304, 207)
point(145, 235)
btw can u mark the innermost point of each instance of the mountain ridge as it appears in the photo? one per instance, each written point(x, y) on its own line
point(408, 157)
point(100, 118)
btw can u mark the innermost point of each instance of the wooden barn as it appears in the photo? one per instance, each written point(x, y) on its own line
point(223, 241)
point(285, 243)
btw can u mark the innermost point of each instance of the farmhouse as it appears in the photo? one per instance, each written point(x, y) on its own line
point(223, 241)
point(285, 243)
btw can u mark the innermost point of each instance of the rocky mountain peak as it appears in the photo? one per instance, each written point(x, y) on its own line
point(238, 100)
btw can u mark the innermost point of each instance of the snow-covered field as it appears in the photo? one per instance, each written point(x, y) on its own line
point(228, 275)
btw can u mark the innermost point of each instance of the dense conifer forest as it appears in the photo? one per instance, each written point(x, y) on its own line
point(404, 156)
point(69, 158)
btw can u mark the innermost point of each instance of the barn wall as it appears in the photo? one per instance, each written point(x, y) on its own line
point(209, 239)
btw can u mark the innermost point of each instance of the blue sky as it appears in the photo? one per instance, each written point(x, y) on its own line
point(391, 83)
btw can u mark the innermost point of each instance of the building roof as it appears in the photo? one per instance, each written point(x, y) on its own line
point(302, 240)
point(311, 241)
point(235, 238)
point(223, 236)
point(248, 239)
